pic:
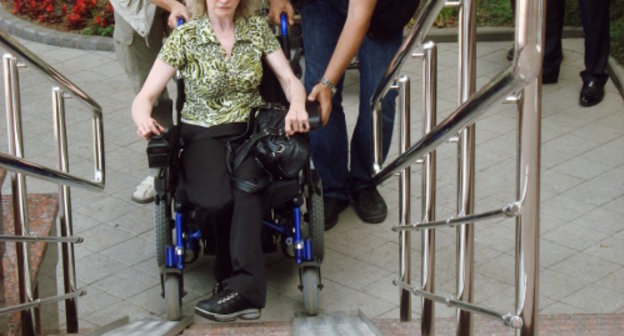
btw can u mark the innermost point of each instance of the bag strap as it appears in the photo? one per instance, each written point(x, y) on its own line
point(250, 187)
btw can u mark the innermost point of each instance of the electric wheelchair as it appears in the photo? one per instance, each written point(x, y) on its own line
point(294, 224)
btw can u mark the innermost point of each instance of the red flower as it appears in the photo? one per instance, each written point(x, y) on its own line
point(49, 8)
point(64, 8)
point(41, 18)
point(98, 19)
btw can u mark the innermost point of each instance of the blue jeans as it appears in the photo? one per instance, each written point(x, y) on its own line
point(322, 22)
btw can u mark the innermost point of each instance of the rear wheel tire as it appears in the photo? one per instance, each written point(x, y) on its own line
point(162, 230)
point(316, 229)
point(310, 283)
point(172, 296)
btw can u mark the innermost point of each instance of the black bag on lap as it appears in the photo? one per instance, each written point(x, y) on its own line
point(281, 156)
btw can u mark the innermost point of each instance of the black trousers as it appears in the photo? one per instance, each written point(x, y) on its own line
point(595, 17)
point(235, 216)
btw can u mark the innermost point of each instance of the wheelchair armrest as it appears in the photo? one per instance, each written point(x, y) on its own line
point(314, 114)
point(159, 150)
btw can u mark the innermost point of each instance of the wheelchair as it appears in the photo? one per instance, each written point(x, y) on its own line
point(294, 223)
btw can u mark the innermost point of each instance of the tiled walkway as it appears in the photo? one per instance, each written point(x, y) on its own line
point(582, 198)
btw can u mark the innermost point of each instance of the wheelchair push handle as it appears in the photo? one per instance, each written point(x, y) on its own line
point(314, 114)
point(283, 38)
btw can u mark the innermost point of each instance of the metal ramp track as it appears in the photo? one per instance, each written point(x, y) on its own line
point(144, 327)
point(335, 324)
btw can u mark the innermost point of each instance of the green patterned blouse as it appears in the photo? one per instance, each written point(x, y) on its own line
point(219, 90)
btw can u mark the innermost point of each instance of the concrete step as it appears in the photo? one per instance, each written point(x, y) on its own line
point(555, 325)
point(42, 211)
point(334, 324)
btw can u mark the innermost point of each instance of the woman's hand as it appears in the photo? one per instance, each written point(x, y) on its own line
point(322, 94)
point(146, 126)
point(296, 120)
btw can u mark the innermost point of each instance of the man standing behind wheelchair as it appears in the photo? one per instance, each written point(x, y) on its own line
point(219, 54)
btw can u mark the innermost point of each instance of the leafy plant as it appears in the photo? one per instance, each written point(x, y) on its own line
point(91, 17)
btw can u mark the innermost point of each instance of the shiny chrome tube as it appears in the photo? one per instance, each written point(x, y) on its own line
point(31, 169)
point(33, 61)
point(429, 173)
point(528, 220)
point(39, 302)
point(503, 84)
point(509, 210)
point(467, 68)
point(508, 319)
point(66, 224)
point(34, 239)
point(405, 274)
point(18, 188)
point(422, 23)
point(24, 55)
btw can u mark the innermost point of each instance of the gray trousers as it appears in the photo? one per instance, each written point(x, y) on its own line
point(137, 54)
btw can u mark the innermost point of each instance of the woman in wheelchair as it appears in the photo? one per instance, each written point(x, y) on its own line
point(219, 53)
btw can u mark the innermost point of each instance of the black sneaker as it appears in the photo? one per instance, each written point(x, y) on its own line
point(369, 205)
point(226, 306)
point(332, 208)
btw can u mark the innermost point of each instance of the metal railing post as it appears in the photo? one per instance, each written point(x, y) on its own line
point(430, 88)
point(527, 222)
point(18, 188)
point(466, 164)
point(405, 255)
point(67, 249)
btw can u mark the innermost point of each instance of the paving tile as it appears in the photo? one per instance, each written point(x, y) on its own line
point(126, 282)
point(131, 252)
point(603, 300)
point(95, 267)
point(557, 286)
point(585, 267)
point(104, 236)
point(575, 236)
point(552, 253)
point(611, 249)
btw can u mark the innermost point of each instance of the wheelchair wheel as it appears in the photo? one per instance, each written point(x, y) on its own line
point(310, 282)
point(316, 229)
point(172, 296)
point(162, 231)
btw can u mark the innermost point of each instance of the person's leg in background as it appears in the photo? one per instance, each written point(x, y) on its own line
point(136, 55)
point(321, 23)
point(595, 17)
point(374, 56)
point(553, 54)
point(510, 52)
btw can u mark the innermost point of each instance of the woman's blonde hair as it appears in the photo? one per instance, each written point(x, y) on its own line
point(245, 8)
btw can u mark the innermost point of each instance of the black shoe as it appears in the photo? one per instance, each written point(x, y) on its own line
point(369, 205)
point(510, 54)
point(332, 208)
point(591, 93)
point(227, 306)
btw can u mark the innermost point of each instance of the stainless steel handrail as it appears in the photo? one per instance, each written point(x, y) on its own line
point(422, 23)
point(18, 51)
point(34, 239)
point(522, 75)
point(21, 167)
point(23, 54)
point(38, 302)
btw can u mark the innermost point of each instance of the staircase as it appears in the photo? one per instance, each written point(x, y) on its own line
point(42, 212)
point(553, 325)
